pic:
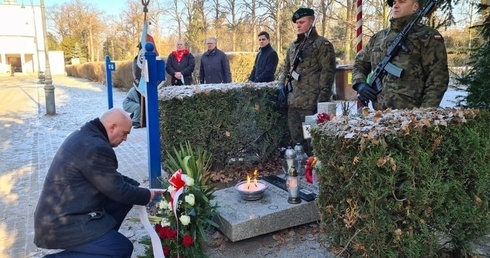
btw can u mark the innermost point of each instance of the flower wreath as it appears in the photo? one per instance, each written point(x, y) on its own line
point(186, 210)
point(185, 214)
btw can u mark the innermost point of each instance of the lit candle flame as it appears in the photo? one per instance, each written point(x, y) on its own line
point(248, 181)
point(256, 172)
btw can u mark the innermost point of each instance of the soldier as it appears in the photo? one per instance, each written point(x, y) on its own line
point(426, 74)
point(312, 79)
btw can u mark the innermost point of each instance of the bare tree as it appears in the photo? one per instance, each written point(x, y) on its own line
point(234, 22)
point(325, 11)
point(350, 29)
point(233, 10)
point(278, 11)
point(197, 24)
point(128, 28)
point(68, 24)
point(251, 19)
point(175, 12)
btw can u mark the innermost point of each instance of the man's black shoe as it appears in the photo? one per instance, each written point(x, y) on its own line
point(136, 125)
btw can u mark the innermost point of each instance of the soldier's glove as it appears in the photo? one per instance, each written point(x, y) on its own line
point(366, 92)
point(282, 94)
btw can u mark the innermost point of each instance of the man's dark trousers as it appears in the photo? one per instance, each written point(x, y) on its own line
point(112, 244)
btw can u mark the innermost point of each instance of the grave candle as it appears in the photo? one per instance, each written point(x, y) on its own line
point(251, 187)
point(293, 186)
point(251, 190)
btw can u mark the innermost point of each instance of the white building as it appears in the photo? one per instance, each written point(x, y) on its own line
point(22, 40)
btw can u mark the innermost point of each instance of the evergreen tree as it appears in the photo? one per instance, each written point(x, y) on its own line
point(477, 78)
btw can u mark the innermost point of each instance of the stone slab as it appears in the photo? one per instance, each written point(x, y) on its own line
point(239, 219)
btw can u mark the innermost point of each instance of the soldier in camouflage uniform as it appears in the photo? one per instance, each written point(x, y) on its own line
point(426, 74)
point(316, 73)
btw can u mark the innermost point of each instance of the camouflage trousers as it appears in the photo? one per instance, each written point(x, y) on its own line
point(296, 117)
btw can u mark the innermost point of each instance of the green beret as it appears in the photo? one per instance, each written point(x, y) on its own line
point(390, 2)
point(302, 12)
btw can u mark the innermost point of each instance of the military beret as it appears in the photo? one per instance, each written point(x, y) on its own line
point(302, 12)
point(390, 2)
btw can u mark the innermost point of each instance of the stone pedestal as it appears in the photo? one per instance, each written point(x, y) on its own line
point(239, 219)
point(327, 107)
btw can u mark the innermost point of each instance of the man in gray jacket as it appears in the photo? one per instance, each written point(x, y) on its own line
point(215, 67)
point(84, 199)
point(131, 104)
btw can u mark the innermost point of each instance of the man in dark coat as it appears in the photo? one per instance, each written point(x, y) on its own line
point(215, 67)
point(265, 62)
point(180, 65)
point(84, 199)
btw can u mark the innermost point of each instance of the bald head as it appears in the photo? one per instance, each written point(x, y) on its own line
point(117, 124)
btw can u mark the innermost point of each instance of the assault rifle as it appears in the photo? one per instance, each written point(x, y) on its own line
point(298, 58)
point(385, 66)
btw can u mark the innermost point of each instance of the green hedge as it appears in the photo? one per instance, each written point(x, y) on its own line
point(404, 183)
point(238, 122)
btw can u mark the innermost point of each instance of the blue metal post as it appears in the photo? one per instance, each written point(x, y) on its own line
point(109, 67)
point(155, 74)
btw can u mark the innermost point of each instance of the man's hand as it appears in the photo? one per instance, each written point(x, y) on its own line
point(154, 192)
point(366, 92)
point(282, 93)
point(178, 75)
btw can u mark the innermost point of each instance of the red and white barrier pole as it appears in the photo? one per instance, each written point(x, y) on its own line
point(359, 40)
point(359, 26)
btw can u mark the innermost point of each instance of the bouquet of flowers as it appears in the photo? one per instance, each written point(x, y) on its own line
point(185, 211)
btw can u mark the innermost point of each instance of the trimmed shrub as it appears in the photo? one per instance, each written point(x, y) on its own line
point(230, 122)
point(404, 183)
point(241, 65)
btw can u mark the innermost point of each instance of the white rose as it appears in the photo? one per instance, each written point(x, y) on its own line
point(165, 222)
point(190, 199)
point(171, 189)
point(189, 181)
point(164, 204)
point(185, 220)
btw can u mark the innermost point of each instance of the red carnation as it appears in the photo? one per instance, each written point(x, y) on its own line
point(171, 234)
point(158, 227)
point(187, 240)
point(161, 234)
point(167, 232)
point(322, 117)
point(166, 251)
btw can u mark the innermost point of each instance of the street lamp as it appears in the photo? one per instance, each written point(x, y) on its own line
point(48, 82)
point(36, 39)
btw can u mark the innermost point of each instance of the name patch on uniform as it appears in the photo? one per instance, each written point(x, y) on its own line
point(438, 37)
